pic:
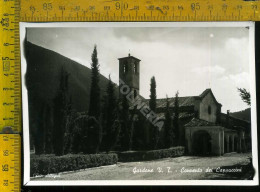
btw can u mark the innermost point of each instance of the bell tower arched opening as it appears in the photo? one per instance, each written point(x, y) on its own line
point(129, 68)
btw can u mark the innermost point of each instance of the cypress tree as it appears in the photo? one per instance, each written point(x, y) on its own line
point(114, 135)
point(139, 135)
point(94, 135)
point(68, 127)
point(168, 129)
point(82, 122)
point(110, 113)
point(152, 105)
point(94, 103)
point(152, 102)
point(60, 113)
point(176, 120)
point(127, 131)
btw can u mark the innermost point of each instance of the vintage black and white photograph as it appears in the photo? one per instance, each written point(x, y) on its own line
point(139, 103)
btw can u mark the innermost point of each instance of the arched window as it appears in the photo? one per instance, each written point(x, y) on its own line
point(209, 109)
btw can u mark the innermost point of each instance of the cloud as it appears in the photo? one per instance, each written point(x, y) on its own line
point(212, 70)
point(239, 79)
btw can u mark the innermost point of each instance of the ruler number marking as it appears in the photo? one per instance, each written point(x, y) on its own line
point(5, 167)
point(195, 6)
point(5, 152)
point(5, 182)
point(121, 6)
point(6, 65)
point(32, 9)
point(47, 6)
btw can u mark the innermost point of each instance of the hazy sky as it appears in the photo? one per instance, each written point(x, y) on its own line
point(185, 59)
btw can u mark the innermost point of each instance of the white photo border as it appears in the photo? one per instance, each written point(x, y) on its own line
point(26, 142)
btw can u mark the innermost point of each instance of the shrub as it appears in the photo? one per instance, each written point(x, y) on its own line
point(150, 155)
point(44, 165)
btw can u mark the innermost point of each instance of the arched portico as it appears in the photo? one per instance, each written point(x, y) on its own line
point(201, 143)
point(205, 140)
point(231, 141)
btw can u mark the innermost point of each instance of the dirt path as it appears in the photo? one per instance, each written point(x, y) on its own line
point(180, 168)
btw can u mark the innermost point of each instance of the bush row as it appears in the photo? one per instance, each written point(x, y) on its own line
point(55, 164)
point(150, 155)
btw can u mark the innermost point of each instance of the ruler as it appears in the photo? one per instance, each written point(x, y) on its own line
point(10, 85)
point(13, 11)
point(140, 10)
point(10, 97)
point(10, 176)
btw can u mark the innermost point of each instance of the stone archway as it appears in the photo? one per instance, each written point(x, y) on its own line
point(201, 144)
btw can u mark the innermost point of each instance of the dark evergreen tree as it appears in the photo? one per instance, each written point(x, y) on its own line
point(60, 113)
point(94, 129)
point(168, 129)
point(39, 132)
point(152, 102)
point(110, 114)
point(79, 133)
point(103, 118)
point(94, 103)
point(127, 129)
point(82, 124)
point(176, 125)
point(68, 128)
point(48, 128)
point(94, 136)
point(114, 135)
point(76, 138)
point(139, 136)
point(152, 105)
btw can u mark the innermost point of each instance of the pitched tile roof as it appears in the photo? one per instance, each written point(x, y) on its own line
point(195, 122)
point(183, 101)
point(181, 115)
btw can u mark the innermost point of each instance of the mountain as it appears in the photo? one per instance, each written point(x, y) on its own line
point(244, 114)
point(43, 76)
point(42, 82)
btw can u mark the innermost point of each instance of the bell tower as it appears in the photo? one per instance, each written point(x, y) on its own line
point(129, 72)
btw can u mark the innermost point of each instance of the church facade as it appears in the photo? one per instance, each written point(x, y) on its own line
point(203, 129)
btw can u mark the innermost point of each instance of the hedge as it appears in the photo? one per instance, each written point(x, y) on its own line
point(54, 164)
point(150, 155)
